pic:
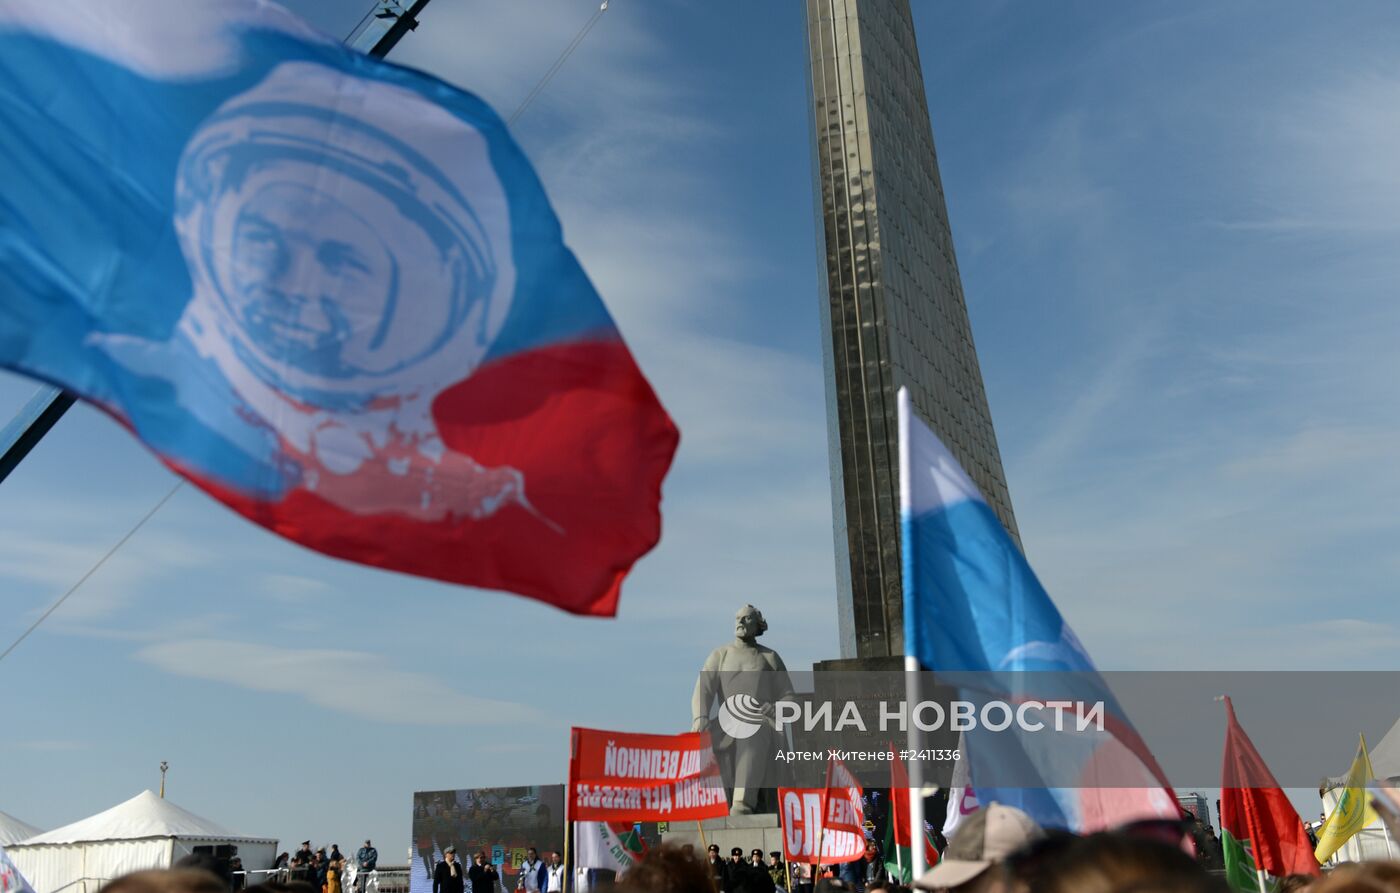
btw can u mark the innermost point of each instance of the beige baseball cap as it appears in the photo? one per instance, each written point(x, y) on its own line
point(987, 836)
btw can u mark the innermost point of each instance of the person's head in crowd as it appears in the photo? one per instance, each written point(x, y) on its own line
point(531, 854)
point(668, 869)
point(879, 887)
point(736, 854)
point(832, 885)
point(983, 841)
point(872, 852)
point(1292, 883)
point(775, 858)
point(756, 857)
point(1360, 877)
point(555, 859)
point(173, 880)
point(480, 858)
point(1114, 862)
point(449, 855)
point(714, 851)
point(206, 862)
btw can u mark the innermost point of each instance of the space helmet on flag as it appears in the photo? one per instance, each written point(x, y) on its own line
point(339, 261)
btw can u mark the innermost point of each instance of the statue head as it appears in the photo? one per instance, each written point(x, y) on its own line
point(749, 623)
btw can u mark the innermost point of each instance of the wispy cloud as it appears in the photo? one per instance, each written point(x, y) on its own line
point(50, 746)
point(353, 682)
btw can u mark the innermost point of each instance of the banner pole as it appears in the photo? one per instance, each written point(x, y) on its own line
point(1259, 872)
point(700, 826)
point(568, 837)
point(569, 881)
point(912, 682)
point(916, 772)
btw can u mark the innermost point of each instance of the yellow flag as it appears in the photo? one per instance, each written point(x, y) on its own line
point(1353, 810)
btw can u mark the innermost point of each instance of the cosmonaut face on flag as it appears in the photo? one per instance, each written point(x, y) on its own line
point(332, 261)
point(312, 281)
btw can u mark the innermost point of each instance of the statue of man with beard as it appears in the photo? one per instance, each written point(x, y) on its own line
point(747, 678)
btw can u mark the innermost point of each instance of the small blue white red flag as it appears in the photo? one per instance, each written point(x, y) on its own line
point(975, 614)
point(328, 290)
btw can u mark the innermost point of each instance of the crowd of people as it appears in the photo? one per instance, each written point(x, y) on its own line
point(998, 849)
point(328, 871)
point(534, 874)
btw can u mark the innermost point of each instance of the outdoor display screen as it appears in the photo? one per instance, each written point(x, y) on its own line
point(501, 822)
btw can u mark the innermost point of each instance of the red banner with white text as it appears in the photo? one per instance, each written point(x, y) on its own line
point(625, 776)
point(804, 812)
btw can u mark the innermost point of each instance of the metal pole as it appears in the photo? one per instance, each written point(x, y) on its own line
point(405, 23)
point(163, 766)
point(46, 407)
point(913, 693)
point(27, 428)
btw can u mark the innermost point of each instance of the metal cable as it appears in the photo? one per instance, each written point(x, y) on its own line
point(92, 570)
point(559, 63)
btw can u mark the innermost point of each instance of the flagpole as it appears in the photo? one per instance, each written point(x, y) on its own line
point(568, 836)
point(916, 769)
point(1259, 872)
point(701, 828)
point(782, 834)
point(912, 669)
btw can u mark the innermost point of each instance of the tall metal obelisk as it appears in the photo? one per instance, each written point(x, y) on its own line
point(892, 309)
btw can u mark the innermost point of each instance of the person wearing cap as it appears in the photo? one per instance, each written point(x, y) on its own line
point(777, 870)
point(733, 870)
point(366, 858)
point(719, 870)
point(449, 877)
point(983, 840)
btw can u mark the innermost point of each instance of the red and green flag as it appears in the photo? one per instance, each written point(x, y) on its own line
point(1261, 832)
point(898, 840)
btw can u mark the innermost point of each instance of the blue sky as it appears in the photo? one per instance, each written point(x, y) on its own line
point(1176, 231)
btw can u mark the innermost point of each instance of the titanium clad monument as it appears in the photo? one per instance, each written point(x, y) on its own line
point(892, 310)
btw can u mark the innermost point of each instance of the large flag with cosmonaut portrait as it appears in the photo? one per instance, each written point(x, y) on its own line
point(328, 290)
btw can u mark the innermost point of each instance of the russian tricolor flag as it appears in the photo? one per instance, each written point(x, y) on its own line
point(328, 290)
point(975, 615)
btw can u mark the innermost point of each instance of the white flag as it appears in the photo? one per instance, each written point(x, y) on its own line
point(962, 800)
point(615, 846)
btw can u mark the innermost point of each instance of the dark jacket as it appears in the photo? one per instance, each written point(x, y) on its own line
point(366, 857)
point(445, 882)
point(719, 870)
point(747, 878)
point(484, 878)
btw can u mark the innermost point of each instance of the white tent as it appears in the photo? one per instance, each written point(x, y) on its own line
point(12, 830)
point(144, 832)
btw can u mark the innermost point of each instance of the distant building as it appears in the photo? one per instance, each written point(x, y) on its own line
point(1197, 806)
point(892, 307)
